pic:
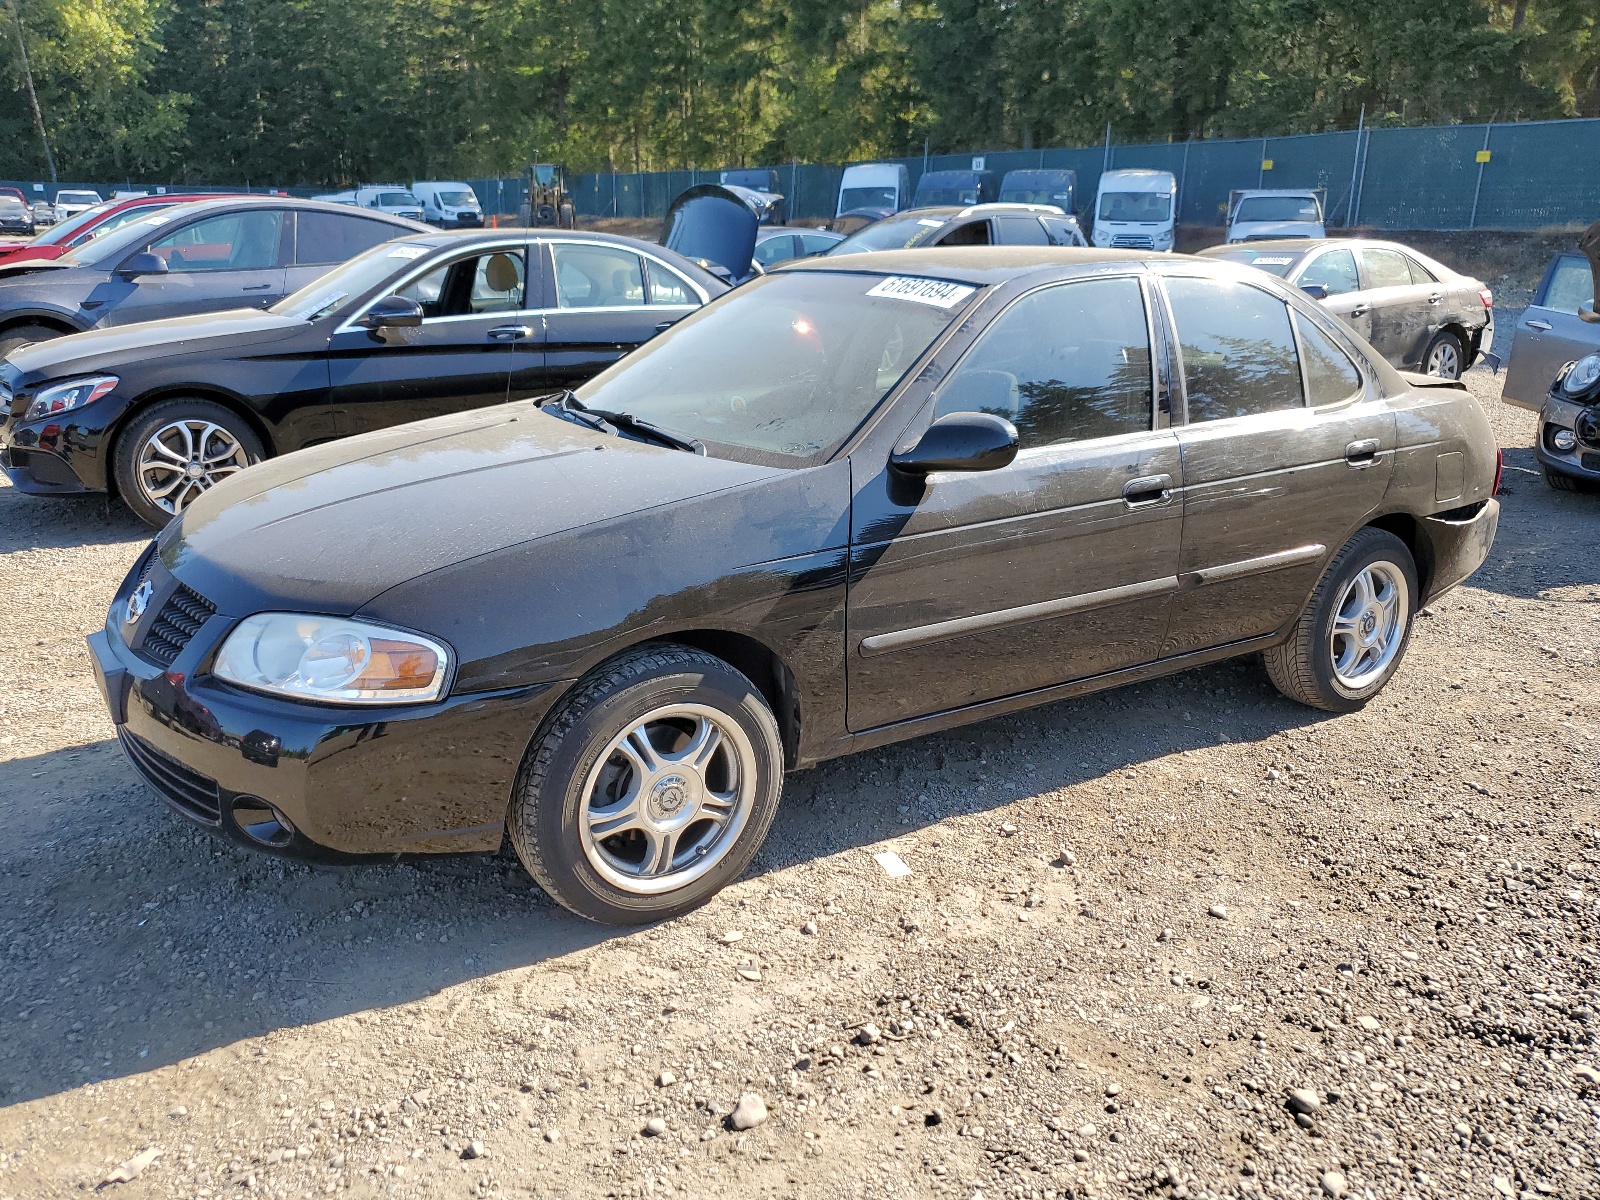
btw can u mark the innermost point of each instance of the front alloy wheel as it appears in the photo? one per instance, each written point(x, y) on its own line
point(174, 452)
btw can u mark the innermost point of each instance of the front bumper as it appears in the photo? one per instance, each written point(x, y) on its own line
point(347, 782)
point(1582, 461)
point(60, 455)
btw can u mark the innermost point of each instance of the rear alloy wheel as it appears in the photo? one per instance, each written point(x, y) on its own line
point(1351, 637)
point(177, 450)
point(1446, 357)
point(650, 788)
point(19, 336)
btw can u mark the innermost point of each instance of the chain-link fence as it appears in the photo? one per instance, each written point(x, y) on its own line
point(1525, 176)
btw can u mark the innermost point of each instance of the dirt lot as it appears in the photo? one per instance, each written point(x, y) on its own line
point(1132, 924)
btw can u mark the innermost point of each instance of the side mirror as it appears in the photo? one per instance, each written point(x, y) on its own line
point(960, 441)
point(1587, 313)
point(143, 263)
point(393, 312)
point(1317, 291)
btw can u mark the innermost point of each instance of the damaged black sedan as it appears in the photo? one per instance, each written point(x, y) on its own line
point(848, 503)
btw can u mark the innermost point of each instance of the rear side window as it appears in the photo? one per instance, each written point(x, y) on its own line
point(974, 233)
point(668, 287)
point(239, 241)
point(1062, 233)
point(1330, 375)
point(1571, 284)
point(1419, 273)
point(1385, 268)
point(1021, 231)
point(1238, 349)
point(597, 276)
point(324, 238)
point(1335, 270)
point(816, 243)
point(1064, 364)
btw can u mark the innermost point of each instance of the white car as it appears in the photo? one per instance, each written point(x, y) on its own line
point(71, 203)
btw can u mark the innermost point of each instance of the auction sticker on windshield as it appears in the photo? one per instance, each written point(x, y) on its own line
point(408, 252)
point(1273, 260)
point(936, 292)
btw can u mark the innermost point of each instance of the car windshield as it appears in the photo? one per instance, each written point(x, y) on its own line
point(11, 204)
point(1278, 208)
point(947, 195)
point(77, 198)
point(784, 369)
point(396, 199)
point(892, 233)
point(867, 197)
point(1273, 262)
point(352, 280)
point(458, 199)
point(1146, 207)
point(1060, 196)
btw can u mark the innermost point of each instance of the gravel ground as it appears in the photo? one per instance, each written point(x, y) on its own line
point(1137, 931)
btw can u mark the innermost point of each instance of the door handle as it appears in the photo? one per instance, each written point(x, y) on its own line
point(1541, 326)
point(665, 325)
point(1435, 297)
point(1147, 490)
point(1359, 310)
point(258, 287)
point(1362, 453)
point(510, 333)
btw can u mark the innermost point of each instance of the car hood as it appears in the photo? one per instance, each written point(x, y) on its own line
point(115, 345)
point(714, 224)
point(330, 528)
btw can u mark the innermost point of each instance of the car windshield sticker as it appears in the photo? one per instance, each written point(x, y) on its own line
point(408, 252)
point(1273, 260)
point(931, 224)
point(936, 292)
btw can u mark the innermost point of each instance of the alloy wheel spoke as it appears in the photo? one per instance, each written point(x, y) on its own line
point(660, 847)
point(702, 748)
point(603, 822)
point(636, 748)
point(156, 446)
point(166, 489)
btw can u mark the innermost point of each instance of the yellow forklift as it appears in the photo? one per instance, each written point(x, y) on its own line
point(548, 202)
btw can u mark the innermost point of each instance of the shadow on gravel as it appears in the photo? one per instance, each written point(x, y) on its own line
point(129, 940)
point(38, 522)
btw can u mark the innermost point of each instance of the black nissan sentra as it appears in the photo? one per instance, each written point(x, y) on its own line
point(851, 502)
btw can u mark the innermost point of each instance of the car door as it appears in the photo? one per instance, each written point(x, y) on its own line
point(323, 240)
point(461, 356)
point(1402, 310)
point(1549, 332)
point(1061, 565)
point(214, 263)
point(599, 304)
point(1336, 272)
point(1272, 485)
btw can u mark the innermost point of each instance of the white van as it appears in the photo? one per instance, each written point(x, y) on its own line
point(1136, 210)
point(1261, 214)
point(389, 198)
point(449, 205)
point(882, 188)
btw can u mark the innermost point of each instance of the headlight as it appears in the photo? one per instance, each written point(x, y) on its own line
point(1563, 440)
point(332, 659)
point(64, 397)
point(1583, 376)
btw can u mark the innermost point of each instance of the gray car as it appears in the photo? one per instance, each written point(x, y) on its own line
point(1417, 313)
point(213, 255)
point(1550, 333)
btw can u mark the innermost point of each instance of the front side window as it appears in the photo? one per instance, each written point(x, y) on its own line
point(1330, 375)
point(1063, 364)
point(1335, 270)
point(597, 276)
point(1238, 349)
point(241, 241)
point(973, 233)
point(775, 249)
point(783, 370)
point(1385, 268)
point(482, 283)
point(1571, 284)
point(816, 243)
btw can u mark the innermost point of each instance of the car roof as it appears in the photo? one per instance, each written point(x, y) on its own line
point(982, 265)
point(234, 203)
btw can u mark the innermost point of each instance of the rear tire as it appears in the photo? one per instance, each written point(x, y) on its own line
point(650, 788)
point(1562, 482)
point(1445, 356)
point(25, 335)
point(1353, 634)
point(173, 451)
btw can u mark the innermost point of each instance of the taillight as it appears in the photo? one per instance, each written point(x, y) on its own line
point(1499, 469)
point(1487, 297)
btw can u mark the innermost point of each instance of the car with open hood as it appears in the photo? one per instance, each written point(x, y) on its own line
point(157, 413)
point(208, 256)
point(717, 226)
point(1418, 313)
point(852, 501)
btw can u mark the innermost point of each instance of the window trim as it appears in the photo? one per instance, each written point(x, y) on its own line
point(1140, 278)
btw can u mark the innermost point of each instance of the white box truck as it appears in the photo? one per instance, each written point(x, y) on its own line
point(1136, 210)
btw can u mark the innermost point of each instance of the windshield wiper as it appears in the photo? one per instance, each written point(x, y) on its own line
point(569, 406)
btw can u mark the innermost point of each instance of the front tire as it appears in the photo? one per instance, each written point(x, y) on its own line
point(650, 788)
point(1445, 357)
point(173, 451)
point(1560, 481)
point(1351, 637)
point(25, 335)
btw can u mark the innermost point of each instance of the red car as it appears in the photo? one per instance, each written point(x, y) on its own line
point(91, 223)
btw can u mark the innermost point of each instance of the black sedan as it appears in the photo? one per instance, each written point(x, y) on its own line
point(160, 412)
point(191, 258)
point(1417, 313)
point(847, 503)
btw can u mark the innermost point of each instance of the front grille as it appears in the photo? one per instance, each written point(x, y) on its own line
point(175, 625)
point(190, 792)
point(1133, 241)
